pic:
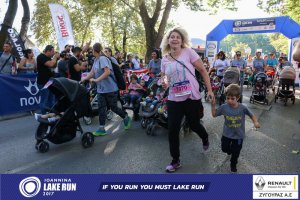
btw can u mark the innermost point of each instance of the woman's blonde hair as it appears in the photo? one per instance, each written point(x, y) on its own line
point(165, 47)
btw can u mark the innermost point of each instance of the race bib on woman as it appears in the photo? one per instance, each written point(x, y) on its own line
point(182, 88)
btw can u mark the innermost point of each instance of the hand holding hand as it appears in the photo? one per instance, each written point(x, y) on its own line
point(211, 96)
point(256, 125)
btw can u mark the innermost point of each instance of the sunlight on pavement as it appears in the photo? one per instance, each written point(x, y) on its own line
point(110, 147)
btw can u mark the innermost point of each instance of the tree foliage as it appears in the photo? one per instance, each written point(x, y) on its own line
point(127, 25)
point(240, 47)
point(279, 42)
point(254, 41)
point(8, 20)
point(281, 7)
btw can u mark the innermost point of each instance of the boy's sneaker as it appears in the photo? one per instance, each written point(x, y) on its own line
point(99, 132)
point(233, 168)
point(127, 122)
point(206, 145)
point(173, 166)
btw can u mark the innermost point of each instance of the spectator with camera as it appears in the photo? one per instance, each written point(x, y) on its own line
point(46, 61)
point(62, 65)
point(75, 66)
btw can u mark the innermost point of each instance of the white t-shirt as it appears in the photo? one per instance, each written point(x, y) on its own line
point(136, 64)
point(220, 65)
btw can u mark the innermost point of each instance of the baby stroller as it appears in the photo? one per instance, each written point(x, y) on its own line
point(231, 76)
point(247, 74)
point(259, 91)
point(148, 110)
point(286, 87)
point(154, 115)
point(73, 102)
point(270, 71)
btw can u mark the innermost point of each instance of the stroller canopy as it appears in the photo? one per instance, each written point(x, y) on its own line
point(69, 88)
point(232, 75)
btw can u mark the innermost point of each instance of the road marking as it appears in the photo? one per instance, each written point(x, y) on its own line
point(110, 146)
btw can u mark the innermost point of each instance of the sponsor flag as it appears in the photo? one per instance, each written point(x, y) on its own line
point(16, 41)
point(62, 24)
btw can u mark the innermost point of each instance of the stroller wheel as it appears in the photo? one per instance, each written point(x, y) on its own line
point(266, 101)
point(251, 99)
point(144, 123)
point(37, 144)
point(150, 129)
point(42, 147)
point(285, 101)
point(293, 100)
point(87, 120)
point(87, 140)
point(109, 115)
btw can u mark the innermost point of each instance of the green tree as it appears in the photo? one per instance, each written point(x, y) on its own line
point(281, 7)
point(81, 15)
point(240, 47)
point(254, 41)
point(279, 42)
point(8, 20)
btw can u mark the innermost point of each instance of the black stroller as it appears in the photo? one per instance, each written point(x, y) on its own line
point(259, 91)
point(72, 104)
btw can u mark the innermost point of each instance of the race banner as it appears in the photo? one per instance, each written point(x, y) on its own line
point(254, 25)
point(211, 50)
point(19, 93)
point(148, 186)
point(62, 24)
point(16, 41)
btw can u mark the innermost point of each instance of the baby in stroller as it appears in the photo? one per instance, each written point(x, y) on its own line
point(133, 92)
point(286, 82)
point(259, 91)
point(153, 109)
point(215, 84)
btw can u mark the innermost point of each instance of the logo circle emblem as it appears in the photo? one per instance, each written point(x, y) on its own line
point(30, 186)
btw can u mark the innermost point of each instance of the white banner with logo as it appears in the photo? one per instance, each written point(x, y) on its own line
point(62, 24)
point(211, 50)
point(275, 187)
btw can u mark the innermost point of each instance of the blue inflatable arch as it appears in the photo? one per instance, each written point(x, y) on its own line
point(284, 24)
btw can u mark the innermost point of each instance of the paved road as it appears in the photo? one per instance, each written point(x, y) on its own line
point(268, 150)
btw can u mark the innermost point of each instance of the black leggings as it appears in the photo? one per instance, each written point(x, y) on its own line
point(232, 147)
point(176, 111)
point(109, 100)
